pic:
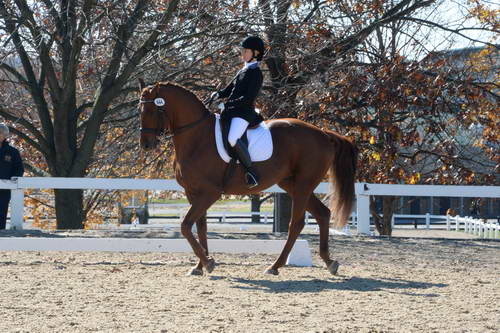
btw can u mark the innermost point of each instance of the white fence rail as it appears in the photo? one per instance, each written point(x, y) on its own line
point(473, 226)
point(363, 192)
point(427, 217)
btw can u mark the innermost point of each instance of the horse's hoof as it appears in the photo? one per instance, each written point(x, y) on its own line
point(271, 271)
point(333, 267)
point(195, 271)
point(210, 265)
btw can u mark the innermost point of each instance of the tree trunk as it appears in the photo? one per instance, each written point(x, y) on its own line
point(255, 207)
point(388, 209)
point(282, 212)
point(383, 224)
point(69, 209)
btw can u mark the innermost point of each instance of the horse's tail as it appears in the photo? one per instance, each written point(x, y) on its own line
point(342, 174)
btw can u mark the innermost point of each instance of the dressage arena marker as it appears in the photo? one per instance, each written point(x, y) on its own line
point(299, 256)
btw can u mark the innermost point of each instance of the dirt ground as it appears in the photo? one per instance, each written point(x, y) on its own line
point(384, 285)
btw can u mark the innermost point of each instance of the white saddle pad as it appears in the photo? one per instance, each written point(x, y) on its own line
point(260, 142)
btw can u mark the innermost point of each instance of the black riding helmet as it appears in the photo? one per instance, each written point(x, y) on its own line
point(254, 43)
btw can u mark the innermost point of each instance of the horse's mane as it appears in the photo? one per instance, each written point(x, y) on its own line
point(185, 90)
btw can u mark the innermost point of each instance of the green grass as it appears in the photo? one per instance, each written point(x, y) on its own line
point(182, 201)
point(229, 206)
point(168, 201)
point(238, 209)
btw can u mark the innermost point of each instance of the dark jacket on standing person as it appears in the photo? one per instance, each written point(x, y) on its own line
point(241, 94)
point(11, 164)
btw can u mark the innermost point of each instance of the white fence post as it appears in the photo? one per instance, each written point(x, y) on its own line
point(427, 221)
point(17, 209)
point(363, 213)
point(489, 229)
point(475, 226)
point(448, 222)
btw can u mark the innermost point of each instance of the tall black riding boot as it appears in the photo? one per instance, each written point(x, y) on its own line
point(241, 150)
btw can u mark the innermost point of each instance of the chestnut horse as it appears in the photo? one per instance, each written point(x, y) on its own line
point(302, 156)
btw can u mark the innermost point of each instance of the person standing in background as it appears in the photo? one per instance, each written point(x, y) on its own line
point(11, 165)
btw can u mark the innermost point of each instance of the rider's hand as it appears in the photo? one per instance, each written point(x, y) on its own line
point(221, 106)
point(214, 96)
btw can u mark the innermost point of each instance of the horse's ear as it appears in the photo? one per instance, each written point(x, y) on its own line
point(157, 88)
point(142, 85)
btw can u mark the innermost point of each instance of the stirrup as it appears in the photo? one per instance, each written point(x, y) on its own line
point(251, 180)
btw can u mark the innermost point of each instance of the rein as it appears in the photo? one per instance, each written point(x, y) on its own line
point(162, 112)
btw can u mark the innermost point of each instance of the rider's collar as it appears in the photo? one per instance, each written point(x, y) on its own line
point(252, 64)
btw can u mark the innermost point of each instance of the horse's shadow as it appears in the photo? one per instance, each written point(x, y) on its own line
point(353, 283)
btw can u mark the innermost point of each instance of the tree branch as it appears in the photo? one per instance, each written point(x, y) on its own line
point(33, 86)
point(456, 31)
point(42, 145)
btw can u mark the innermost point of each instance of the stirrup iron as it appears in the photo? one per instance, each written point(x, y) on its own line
point(251, 180)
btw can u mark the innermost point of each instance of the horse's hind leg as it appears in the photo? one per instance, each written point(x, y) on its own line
point(322, 215)
point(300, 197)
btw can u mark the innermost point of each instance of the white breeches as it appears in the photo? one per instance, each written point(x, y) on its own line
point(237, 129)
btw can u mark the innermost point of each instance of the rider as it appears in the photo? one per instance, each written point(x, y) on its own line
point(240, 108)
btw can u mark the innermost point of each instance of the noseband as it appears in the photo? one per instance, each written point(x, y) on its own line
point(161, 111)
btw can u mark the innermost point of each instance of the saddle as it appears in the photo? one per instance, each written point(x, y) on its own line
point(260, 142)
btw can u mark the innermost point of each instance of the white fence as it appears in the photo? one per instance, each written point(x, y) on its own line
point(363, 192)
point(427, 217)
point(473, 226)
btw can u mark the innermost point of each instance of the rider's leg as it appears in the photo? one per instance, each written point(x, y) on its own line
point(238, 128)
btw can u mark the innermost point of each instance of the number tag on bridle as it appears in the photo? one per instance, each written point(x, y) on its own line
point(159, 101)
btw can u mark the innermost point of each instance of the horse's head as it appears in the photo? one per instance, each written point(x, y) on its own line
point(168, 107)
point(154, 119)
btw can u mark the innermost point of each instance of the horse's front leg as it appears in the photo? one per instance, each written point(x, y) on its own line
point(201, 226)
point(198, 209)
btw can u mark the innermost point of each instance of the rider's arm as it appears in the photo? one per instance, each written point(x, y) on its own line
point(224, 93)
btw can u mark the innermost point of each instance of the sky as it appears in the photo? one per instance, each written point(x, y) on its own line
point(452, 12)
